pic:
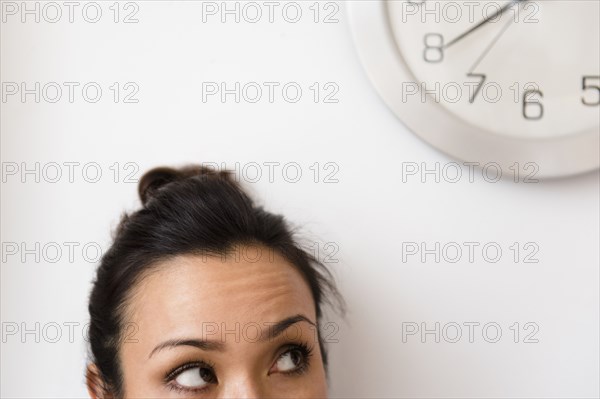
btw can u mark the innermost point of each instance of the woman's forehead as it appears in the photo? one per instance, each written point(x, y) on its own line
point(215, 289)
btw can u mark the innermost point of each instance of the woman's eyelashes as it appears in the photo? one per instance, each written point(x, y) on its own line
point(196, 377)
point(294, 360)
point(191, 377)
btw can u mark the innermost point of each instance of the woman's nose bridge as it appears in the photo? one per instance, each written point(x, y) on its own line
point(244, 387)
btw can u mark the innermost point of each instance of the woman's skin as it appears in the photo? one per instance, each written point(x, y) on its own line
point(222, 312)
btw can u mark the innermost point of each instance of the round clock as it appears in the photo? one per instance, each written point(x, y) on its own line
point(514, 82)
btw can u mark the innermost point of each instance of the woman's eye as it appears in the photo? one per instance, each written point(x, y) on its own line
point(195, 377)
point(289, 361)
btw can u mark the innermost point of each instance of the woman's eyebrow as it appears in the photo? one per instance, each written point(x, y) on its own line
point(196, 343)
point(273, 331)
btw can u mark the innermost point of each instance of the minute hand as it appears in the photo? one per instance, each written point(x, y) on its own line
point(480, 24)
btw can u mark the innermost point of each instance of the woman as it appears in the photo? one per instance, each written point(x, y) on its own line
point(205, 294)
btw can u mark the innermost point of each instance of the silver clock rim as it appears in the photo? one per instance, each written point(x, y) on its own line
point(557, 157)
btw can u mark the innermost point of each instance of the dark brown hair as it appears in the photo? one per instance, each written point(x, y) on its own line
point(190, 210)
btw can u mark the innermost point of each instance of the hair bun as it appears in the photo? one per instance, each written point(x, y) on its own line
point(154, 179)
point(159, 177)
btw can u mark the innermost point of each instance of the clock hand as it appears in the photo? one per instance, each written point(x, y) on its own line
point(486, 20)
point(492, 43)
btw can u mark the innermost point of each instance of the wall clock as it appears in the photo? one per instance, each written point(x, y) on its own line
point(515, 83)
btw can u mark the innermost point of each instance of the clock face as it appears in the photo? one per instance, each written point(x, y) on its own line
point(505, 81)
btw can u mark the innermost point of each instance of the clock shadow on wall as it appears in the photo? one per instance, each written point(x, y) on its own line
point(514, 84)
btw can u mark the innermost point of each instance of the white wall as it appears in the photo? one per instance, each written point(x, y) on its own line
point(369, 213)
